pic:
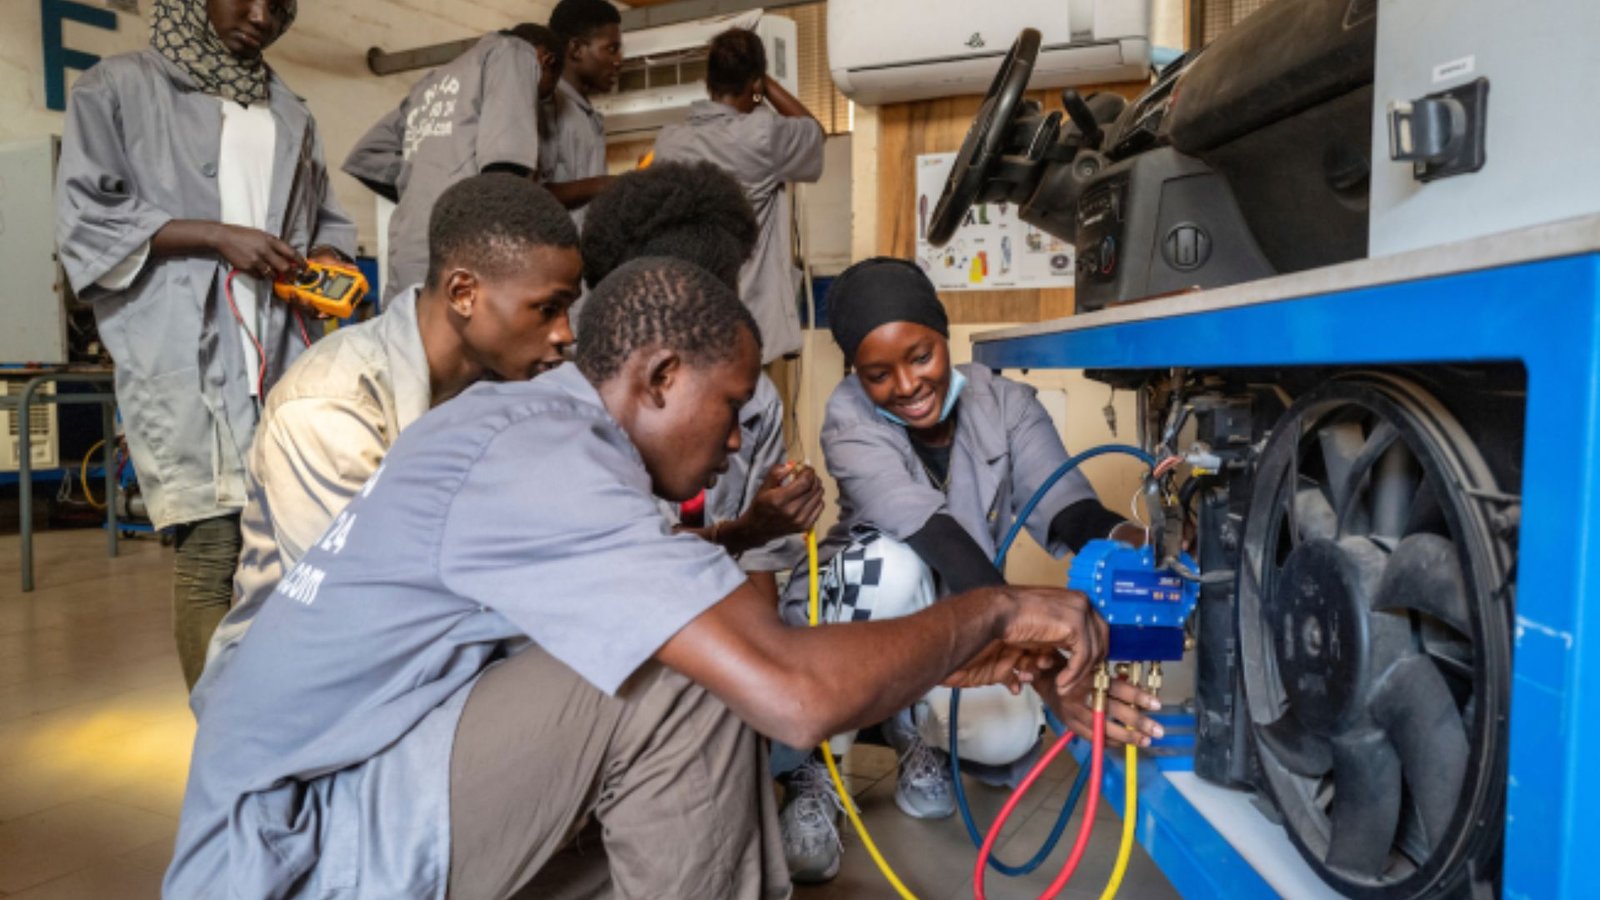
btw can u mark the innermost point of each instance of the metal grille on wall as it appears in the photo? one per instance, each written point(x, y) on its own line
point(817, 91)
point(1208, 19)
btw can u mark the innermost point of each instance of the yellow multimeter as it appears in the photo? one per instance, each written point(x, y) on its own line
point(329, 288)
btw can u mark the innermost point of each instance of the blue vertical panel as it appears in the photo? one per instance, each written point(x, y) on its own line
point(57, 58)
point(369, 267)
point(1555, 734)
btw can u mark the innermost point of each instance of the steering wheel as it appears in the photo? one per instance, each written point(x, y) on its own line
point(981, 151)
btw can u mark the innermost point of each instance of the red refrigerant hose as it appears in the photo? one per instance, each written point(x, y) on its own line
point(1085, 828)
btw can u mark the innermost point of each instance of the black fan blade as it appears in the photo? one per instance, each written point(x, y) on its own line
point(1341, 443)
point(1346, 485)
point(1393, 489)
point(1424, 574)
point(1297, 749)
point(1415, 706)
point(1426, 514)
point(1366, 803)
point(1314, 517)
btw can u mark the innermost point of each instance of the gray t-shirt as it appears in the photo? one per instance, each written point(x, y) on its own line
point(575, 141)
point(516, 511)
point(763, 151)
point(479, 109)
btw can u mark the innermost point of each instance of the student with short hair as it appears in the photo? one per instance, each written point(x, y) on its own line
point(501, 638)
point(192, 177)
point(760, 507)
point(762, 135)
point(502, 273)
point(476, 113)
point(573, 162)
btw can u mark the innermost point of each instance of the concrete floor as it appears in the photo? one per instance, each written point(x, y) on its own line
point(935, 858)
point(95, 735)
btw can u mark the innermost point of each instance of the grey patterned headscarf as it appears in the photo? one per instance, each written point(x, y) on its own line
point(181, 31)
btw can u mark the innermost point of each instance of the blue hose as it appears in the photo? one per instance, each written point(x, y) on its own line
point(966, 810)
point(1060, 473)
point(1050, 717)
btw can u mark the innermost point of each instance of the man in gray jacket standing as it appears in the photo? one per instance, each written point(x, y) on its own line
point(178, 203)
point(477, 113)
point(765, 145)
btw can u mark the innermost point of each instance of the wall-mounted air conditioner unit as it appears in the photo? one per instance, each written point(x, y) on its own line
point(664, 70)
point(888, 51)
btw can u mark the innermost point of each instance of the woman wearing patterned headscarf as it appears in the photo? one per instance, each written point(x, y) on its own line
point(190, 177)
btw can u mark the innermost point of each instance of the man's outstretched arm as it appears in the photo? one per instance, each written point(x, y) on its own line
point(801, 685)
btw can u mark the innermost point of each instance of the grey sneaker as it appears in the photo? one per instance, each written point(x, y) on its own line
point(809, 822)
point(924, 790)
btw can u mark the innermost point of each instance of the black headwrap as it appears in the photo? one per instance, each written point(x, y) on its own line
point(876, 292)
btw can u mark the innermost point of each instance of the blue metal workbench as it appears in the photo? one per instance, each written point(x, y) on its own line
point(1529, 297)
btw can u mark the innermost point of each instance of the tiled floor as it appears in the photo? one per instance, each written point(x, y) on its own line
point(94, 721)
point(95, 733)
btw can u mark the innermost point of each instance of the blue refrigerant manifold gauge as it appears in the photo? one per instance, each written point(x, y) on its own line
point(1145, 605)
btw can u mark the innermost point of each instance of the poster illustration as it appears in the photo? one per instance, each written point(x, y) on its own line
point(993, 249)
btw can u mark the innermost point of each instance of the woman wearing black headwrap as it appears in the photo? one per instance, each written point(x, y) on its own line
point(190, 177)
point(933, 463)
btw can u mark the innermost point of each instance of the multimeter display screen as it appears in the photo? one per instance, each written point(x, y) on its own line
point(336, 285)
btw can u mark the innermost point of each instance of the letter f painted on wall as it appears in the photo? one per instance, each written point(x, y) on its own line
point(57, 58)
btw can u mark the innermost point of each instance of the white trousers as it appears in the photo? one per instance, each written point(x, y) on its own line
point(877, 577)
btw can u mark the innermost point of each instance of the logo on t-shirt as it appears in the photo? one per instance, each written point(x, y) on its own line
point(434, 116)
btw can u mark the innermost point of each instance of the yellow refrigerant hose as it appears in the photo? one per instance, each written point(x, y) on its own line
point(1130, 804)
point(1130, 810)
point(827, 752)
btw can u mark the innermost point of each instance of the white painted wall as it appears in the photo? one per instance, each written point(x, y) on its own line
point(1166, 24)
point(827, 210)
point(323, 58)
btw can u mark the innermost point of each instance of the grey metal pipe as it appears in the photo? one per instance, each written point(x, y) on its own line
point(25, 452)
point(108, 428)
point(382, 62)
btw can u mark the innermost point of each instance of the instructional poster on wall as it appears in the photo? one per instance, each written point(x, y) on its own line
point(993, 249)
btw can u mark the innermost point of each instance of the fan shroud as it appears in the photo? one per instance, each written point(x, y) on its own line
point(1374, 625)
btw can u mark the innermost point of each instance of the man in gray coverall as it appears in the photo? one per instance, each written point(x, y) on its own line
point(477, 113)
point(765, 145)
point(502, 637)
point(573, 163)
point(191, 177)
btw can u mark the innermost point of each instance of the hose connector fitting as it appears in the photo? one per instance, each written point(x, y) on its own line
point(1102, 685)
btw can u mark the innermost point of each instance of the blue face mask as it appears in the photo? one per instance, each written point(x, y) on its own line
point(958, 383)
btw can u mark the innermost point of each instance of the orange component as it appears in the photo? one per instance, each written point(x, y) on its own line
point(329, 288)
